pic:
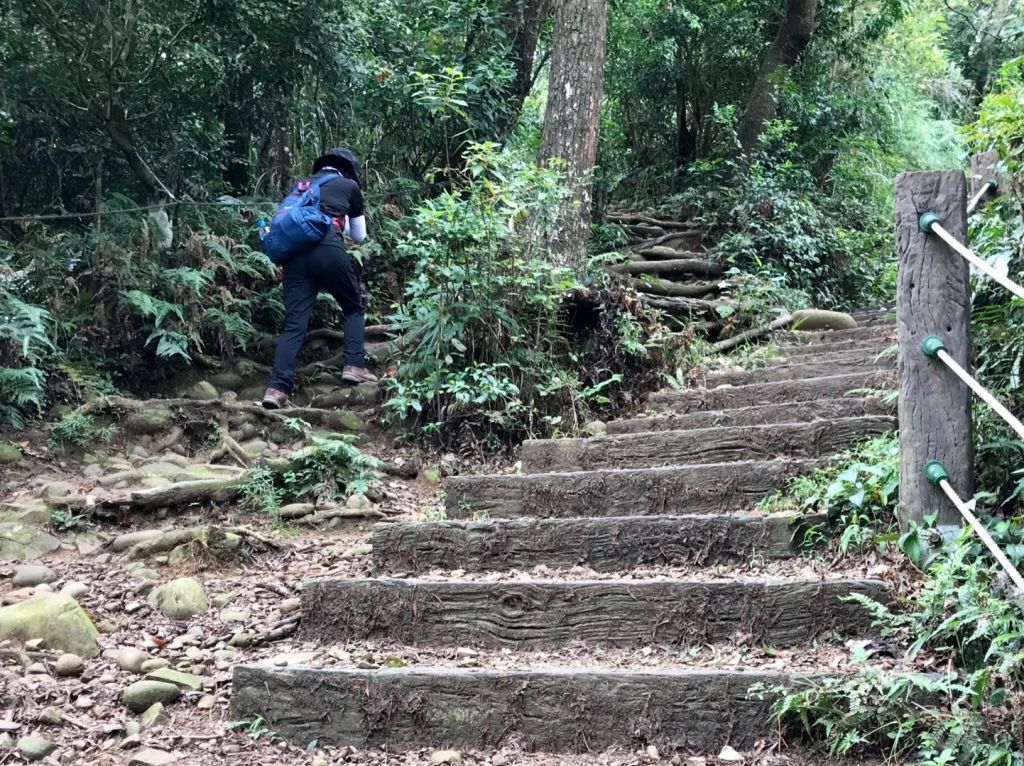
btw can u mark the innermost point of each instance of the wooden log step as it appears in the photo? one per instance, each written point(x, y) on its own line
point(675, 267)
point(733, 397)
point(868, 349)
point(767, 611)
point(550, 710)
point(604, 544)
point(687, 305)
point(682, 240)
point(706, 445)
point(797, 370)
point(637, 219)
point(653, 286)
point(787, 412)
point(678, 491)
point(858, 333)
point(821, 355)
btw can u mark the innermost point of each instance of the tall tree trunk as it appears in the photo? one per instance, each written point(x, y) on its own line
point(237, 134)
point(524, 20)
point(686, 138)
point(793, 37)
point(573, 116)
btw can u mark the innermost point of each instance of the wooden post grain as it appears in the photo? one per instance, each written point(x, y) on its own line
point(933, 298)
point(984, 168)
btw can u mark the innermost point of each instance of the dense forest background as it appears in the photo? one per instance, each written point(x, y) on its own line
point(140, 140)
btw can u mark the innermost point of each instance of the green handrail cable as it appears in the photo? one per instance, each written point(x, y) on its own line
point(939, 476)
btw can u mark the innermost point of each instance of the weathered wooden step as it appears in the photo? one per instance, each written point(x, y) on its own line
point(602, 544)
point(766, 414)
point(818, 355)
point(859, 333)
point(768, 611)
point(868, 349)
point(550, 710)
point(796, 370)
point(704, 445)
point(732, 397)
point(682, 490)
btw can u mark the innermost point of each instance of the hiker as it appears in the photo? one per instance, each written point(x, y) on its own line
point(325, 266)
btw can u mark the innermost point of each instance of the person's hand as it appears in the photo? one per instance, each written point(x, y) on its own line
point(280, 274)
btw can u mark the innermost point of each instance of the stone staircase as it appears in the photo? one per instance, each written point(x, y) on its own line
point(647, 536)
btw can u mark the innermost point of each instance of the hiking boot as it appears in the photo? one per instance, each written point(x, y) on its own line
point(274, 399)
point(356, 375)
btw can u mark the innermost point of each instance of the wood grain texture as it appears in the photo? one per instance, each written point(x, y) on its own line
point(677, 266)
point(539, 710)
point(799, 371)
point(789, 412)
point(933, 298)
point(697, 489)
point(816, 356)
point(704, 445)
point(732, 397)
point(860, 333)
point(603, 544)
point(985, 167)
point(867, 348)
point(769, 611)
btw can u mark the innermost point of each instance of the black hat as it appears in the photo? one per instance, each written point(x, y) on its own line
point(342, 158)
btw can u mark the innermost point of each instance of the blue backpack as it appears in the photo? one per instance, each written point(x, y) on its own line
point(298, 223)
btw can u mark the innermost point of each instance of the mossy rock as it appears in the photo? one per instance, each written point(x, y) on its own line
point(228, 381)
point(23, 542)
point(10, 454)
point(180, 599)
point(56, 619)
point(203, 391)
point(150, 421)
point(142, 695)
point(817, 319)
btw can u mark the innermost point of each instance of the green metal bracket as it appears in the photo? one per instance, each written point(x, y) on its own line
point(993, 184)
point(932, 345)
point(928, 220)
point(936, 472)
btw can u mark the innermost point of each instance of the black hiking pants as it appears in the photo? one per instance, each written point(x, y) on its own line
point(326, 267)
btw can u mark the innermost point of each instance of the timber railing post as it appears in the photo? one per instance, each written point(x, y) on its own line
point(985, 174)
point(933, 298)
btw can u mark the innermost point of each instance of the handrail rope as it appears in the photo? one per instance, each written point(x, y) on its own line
point(931, 224)
point(937, 474)
point(102, 213)
point(936, 349)
point(990, 185)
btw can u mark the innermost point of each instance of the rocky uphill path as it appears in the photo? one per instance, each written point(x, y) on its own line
point(621, 591)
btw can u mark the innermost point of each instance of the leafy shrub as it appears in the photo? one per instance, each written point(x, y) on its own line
point(858, 494)
point(500, 345)
point(24, 344)
point(966, 620)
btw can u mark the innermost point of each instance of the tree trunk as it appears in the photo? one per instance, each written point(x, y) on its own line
point(573, 117)
point(237, 135)
point(524, 20)
point(794, 35)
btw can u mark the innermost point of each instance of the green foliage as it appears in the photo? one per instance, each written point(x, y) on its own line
point(496, 352)
point(66, 520)
point(261, 492)
point(858, 495)
point(24, 345)
point(331, 469)
point(81, 430)
point(965, 618)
